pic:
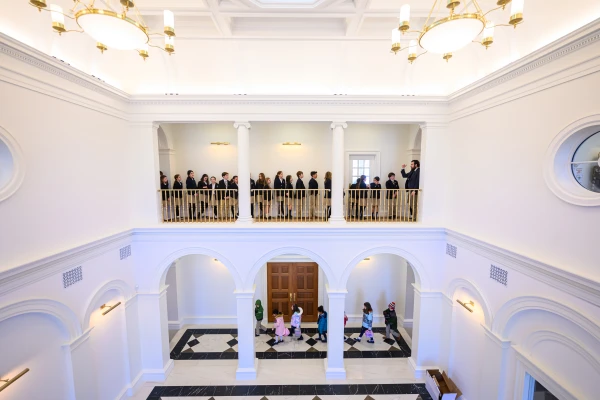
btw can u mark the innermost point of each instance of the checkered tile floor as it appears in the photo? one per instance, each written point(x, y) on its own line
point(334, 397)
point(222, 344)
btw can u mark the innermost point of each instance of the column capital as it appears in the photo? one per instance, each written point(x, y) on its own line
point(236, 125)
point(340, 124)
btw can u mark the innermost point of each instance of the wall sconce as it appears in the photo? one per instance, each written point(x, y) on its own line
point(215, 260)
point(292, 144)
point(367, 259)
point(11, 381)
point(110, 308)
point(466, 304)
point(220, 143)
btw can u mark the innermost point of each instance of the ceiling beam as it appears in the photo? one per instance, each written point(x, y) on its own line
point(223, 26)
point(354, 24)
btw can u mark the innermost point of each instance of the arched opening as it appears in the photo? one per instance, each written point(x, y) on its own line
point(380, 280)
point(109, 341)
point(22, 347)
point(201, 309)
point(282, 280)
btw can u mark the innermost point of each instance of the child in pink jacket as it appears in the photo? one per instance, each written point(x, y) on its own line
point(279, 327)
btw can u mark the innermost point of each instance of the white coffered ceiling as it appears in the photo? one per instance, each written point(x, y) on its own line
point(294, 46)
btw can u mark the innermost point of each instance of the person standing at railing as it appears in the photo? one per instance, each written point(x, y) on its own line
point(252, 188)
point(352, 200)
point(190, 183)
point(224, 198)
point(375, 197)
point(412, 182)
point(327, 195)
point(202, 196)
point(177, 193)
point(300, 194)
point(289, 195)
point(267, 196)
point(392, 187)
point(281, 197)
point(233, 195)
point(361, 185)
point(260, 194)
point(314, 195)
point(164, 188)
point(213, 198)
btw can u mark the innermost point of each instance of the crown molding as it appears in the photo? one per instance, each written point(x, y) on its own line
point(559, 48)
point(24, 53)
point(576, 285)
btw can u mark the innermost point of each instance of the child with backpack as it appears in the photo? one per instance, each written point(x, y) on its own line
point(367, 323)
point(296, 321)
point(322, 324)
point(279, 327)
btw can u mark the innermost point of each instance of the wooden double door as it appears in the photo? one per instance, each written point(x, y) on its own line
point(293, 283)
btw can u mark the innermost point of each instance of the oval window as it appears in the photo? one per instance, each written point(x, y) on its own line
point(585, 163)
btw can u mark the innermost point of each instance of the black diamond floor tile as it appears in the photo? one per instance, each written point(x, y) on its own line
point(232, 342)
point(193, 343)
point(311, 342)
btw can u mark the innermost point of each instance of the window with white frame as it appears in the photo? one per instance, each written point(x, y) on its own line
point(361, 167)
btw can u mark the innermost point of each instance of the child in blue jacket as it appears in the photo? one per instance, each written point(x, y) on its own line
point(367, 322)
point(322, 324)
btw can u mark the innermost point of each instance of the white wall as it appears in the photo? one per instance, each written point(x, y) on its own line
point(205, 291)
point(75, 186)
point(34, 341)
point(192, 149)
point(498, 159)
point(172, 294)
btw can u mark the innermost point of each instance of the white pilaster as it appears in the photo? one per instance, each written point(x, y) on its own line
point(154, 335)
point(434, 157)
point(83, 370)
point(428, 332)
point(337, 172)
point(334, 363)
point(494, 369)
point(247, 361)
point(243, 151)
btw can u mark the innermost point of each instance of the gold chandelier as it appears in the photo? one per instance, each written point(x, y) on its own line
point(449, 34)
point(115, 24)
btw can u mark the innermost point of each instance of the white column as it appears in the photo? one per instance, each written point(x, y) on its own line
point(154, 335)
point(143, 194)
point(334, 363)
point(434, 157)
point(243, 151)
point(83, 370)
point(133, 343)
point(428, 332)
point(494, 370)
point(337, 172)
point(245, 317)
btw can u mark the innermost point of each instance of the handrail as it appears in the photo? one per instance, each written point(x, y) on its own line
point(298, 205)
point(199, 205)
point(381, 205)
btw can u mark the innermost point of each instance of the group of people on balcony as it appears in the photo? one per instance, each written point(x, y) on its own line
point(221, 198)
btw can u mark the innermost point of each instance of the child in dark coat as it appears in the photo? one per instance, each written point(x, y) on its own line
point(391, 321)
point(259, 315)
point(322, 324)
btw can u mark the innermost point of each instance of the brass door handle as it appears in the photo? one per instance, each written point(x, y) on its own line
point(294, 296)
point(290, 297)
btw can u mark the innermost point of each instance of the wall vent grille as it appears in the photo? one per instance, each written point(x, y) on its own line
point(451, 250)
point(125, 252)
point(499, 275)
point(72, 277)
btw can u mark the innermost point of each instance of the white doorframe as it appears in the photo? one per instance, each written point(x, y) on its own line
point(369, 153)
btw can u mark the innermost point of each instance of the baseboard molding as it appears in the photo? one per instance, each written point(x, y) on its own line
point(406, 337)
point(157, 375)
point(219, 320)
point(334, 373)
point(419, 371)
point(135, 385)
point(407, 323)
point(247, 374)
point(175, 325)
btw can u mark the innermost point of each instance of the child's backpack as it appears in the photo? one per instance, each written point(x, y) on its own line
point(369, 333)
point(297, 333)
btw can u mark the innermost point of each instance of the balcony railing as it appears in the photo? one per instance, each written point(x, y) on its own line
point(199, 205)
point(298, 205)
point(368, 205)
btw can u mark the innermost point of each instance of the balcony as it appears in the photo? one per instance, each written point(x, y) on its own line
point(288, 205)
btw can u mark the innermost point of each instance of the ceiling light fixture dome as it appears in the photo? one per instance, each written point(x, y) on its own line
point(449, 34)
point(113, 26)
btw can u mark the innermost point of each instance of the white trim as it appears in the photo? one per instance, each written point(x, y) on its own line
point(158, 375)
point(18, 165)
point(419, 371)
point(376, 170)
point(557, 162)
point(576, 285)
point(175, 325)
point(334, 373)
point(247, 374)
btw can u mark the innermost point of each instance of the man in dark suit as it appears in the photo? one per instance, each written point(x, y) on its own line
point(177, 193)
point(300, 194)
point(391, 186)
point(375, 197)
point(190, 183)
point(213, 196)
point(233, 190)
point(412, 182)
point(280, 184)
point(252, 187)
point(314, 198)
point(224, 195)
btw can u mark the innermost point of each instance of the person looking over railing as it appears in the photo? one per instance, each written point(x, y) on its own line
point(190, 183)
point(412, 182)
point(267, 197)
point(392, 195)
point(327, 195)
point(362, 196)
point(280, 183)
point(313, 199)
point(212, 196)
point(259, 198)
point(202, 196)
point(224, 195)
point(233, 194)
point(300, 195)
point(289, 195)
point(375, 197)
point(164, 186)
point(252, 187)
point(177, 193)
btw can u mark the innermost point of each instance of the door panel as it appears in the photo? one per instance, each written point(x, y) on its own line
point(289, 283)
point(279, 287)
